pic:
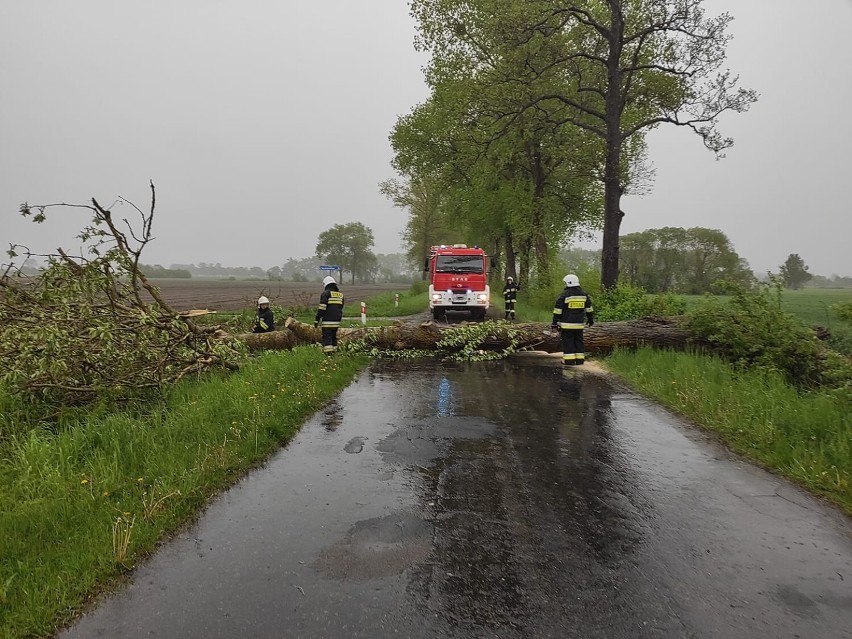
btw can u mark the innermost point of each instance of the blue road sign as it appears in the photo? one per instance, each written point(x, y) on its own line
point(329, 268)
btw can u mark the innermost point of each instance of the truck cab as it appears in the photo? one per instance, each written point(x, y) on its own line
point(458, 280)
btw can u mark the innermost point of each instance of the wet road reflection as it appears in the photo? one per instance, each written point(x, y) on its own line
point(506, 499)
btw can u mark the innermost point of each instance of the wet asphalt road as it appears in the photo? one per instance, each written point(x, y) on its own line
point(496, 500)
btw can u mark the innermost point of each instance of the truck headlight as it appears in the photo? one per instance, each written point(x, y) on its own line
point(436, 297)
point(482, 297)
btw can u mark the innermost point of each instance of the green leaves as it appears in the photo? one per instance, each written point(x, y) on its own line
point(538, 112)
point(794, 272)
point(348, 246)
point(471, 341)
point(79, 331)
point(751, 330)
point(681, 260)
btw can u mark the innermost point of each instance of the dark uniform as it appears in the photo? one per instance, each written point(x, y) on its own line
point(572, 310)
point(264, 322)
point(329, 314)
point(510, 296)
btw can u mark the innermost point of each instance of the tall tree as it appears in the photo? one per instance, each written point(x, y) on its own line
point(348, 246)
point(794, 272)
point(428, 224)
point(522, 188)
point(634, 65)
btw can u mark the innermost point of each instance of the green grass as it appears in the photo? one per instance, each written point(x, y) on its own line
point(811, 305)
point(242, 321)
point(378, 307)
point(383, 305)
point(806, 437)
point(79, 506)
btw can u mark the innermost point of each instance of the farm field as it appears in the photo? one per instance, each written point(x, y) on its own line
point(812, 305)
point(236, 295)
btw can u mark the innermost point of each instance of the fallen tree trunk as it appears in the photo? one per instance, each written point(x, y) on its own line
point(663, 332)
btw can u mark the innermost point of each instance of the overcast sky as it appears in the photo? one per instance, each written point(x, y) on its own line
point(264, 122)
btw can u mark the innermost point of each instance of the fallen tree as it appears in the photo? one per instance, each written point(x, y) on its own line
point(662, 332)
point(81, 330)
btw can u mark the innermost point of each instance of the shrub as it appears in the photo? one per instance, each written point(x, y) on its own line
point(751, 330)
point(419, 287)
point(843, 311)
point(625, 302)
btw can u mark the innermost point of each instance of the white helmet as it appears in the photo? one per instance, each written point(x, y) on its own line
point(262, 300)
point(571, 280)
point(510, 279)
point(328, 279)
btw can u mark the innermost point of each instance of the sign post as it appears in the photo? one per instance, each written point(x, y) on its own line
point(328, 267)
point(363, 312)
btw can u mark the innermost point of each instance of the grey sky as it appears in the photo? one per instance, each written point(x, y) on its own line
point(265, 122)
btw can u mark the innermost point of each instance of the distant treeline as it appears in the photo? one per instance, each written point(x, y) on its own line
point(390, 268)
point(835, 281)
point(678, 260)
point(157, 270)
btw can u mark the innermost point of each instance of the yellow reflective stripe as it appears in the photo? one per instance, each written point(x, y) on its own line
point(326, 349)
point(590, 310)
point(321, 307)
point(335, 301)
point(263, 324)
point(557, 311)
point(569, 356)
point(570, 326)
point(325, 324)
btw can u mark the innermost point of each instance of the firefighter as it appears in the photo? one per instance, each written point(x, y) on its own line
point(573, 309)
point(265, 321)
point(329, 314)
point(510, 296)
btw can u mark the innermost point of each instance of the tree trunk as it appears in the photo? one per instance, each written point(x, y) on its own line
point(663, 332)
point(511, 269)
point(524, 266)
point(612, 169)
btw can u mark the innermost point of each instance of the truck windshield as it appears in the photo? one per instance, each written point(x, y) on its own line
point(459, 264)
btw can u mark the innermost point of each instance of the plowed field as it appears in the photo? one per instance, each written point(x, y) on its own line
point(228, 295)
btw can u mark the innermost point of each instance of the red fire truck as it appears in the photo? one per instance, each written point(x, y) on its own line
point(458, 280)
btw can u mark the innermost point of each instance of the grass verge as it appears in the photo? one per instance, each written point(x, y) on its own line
point(78, 507)
point(385, 305)
point(806, 437)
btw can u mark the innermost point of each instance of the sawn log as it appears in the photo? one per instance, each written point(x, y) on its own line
point(663, 332)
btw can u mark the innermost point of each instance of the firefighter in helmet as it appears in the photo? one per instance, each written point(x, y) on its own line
point(265, 321)
point(571, 312)
point(510, 296)
point(329, 314)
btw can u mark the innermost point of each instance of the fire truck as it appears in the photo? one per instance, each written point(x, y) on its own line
point(458, 280)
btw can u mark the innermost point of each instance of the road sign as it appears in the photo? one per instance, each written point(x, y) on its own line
point(329, 268)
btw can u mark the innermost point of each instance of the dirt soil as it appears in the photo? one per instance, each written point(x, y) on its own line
point(235, 295)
